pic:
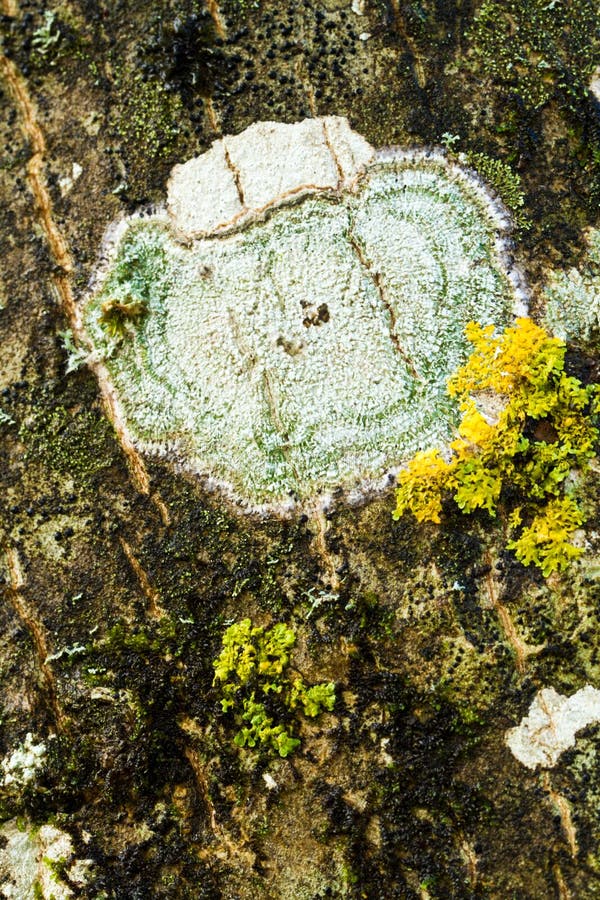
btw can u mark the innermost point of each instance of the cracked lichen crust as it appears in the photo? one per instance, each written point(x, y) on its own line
point(263, 167)
point(310, 347)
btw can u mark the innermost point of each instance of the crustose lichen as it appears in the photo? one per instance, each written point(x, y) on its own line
point(283, 356)
point(526, 425)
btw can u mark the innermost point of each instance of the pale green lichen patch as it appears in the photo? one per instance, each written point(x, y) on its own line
point(22, 765)
point(39, 863)
point(310, 348)
point(573, 297)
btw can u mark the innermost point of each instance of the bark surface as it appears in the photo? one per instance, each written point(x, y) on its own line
point(119, 574)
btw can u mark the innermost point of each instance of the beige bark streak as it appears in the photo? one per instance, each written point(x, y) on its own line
point(28, 617)
point(211, 115)
point(35, 168)
point(385, 300)
point(236, 175)
point(152, 595)
point(215, 14)
point(162, 508)
point(418, 67)
point(521, 649)
point(229, 848)
point(61, 256)
point(202, 783)
point(304, 78)
point(563, 808)
point(320, 543)
point(468, 854)
point(563, 891)
point(331, 149)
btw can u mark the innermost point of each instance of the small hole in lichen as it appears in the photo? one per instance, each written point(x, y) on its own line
point(316, 316)
point(291, 347)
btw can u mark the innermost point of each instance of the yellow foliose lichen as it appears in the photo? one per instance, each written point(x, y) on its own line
point(526, 425)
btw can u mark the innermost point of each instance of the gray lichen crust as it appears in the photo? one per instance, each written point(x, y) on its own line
point(573, 297)
point(304, 340)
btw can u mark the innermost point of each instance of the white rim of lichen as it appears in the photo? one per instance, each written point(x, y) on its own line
point(365, 487)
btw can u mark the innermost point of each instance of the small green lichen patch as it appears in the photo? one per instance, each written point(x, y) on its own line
point(47, 36)
point(252, 671)
point(526, 425)
point(149, 124)
point(71, 442)
point(505, 182)
point(523, 44)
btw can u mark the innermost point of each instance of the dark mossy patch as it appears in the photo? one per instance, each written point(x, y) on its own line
point(70, 441)
point(151, 130)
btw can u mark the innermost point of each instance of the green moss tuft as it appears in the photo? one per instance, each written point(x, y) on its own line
point(251, 668)
point(537, 50)
point(505, 182)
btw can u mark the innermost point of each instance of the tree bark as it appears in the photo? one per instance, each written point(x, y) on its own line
point(120, 573)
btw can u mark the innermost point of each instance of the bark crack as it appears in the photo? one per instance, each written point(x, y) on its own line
point(215, 14)
point(417, 61)
point(334, 156)
point(35, 628)
point(521, 649)
point(61, 256)
point(236, 176)
point(211, 115)
point(381, 289)
point(563, 891)
point(330, 561)
point(162, 508)
point(564, 811)
point(470, 858)
point(304, 78)
point(152, 595)
point(229, 848)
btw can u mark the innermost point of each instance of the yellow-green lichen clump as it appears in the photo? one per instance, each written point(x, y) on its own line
point(287, 325)
point(526, 424)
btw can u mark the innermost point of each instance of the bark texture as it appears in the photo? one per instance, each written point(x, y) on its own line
point(120, 575)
